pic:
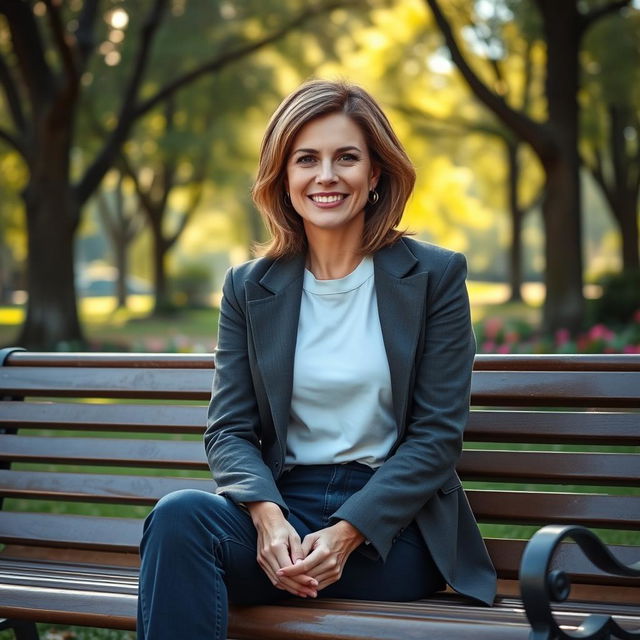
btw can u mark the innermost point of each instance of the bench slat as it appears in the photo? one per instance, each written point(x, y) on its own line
point(575, 427)
point(168, 384)
point(556, 389)
point(537, 508)
point(500, 466)
point(93, 487)
point(569, 427)
point(319, 621)
point(512, 388)
point(149, 418)
point(167, 454)
point(540, 508)
point(79, 532)
point(619, 469)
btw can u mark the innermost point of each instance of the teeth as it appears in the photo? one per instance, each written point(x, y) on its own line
point(326, 199)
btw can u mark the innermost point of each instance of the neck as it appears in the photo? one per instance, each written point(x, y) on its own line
point(332, 254)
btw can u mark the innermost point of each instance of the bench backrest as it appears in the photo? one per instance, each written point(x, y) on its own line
point(95, 439)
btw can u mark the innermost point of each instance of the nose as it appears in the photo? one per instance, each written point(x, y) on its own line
point(326, 173)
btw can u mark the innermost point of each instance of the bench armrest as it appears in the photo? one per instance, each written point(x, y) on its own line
point(540, 587)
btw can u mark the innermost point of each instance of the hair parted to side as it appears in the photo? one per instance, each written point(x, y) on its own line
point(397, 175)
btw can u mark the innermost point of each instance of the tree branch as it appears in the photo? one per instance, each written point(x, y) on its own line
point(229, 57)
point(532, 132)
point(13, 141)
point(588, 19)
point(85, 32)
point(29, 51)
point(12, 96)
point(126, 117)
point(60, 39)
point(104, 211)
point(130, 112)
point(143, 196)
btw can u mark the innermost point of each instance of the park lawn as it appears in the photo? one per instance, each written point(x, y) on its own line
point(132, 329)
point(194, 330)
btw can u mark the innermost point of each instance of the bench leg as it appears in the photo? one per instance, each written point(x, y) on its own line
point(22, 629)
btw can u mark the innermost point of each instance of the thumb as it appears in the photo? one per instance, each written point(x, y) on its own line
point(308, 543)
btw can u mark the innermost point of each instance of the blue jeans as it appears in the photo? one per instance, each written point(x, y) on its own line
point(199, 553)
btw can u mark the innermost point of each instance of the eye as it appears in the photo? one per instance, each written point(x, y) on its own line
point(348, 157)
point(306, 159)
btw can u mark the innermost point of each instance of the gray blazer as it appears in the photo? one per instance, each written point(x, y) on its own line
point(424, 315)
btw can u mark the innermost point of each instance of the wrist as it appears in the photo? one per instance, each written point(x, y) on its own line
point(351, 533)
point(263, 511)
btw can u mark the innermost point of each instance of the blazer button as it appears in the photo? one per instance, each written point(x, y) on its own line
point(277, 465)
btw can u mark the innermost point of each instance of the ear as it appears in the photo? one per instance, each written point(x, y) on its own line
point(374, 176)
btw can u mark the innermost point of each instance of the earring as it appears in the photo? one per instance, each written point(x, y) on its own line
point(373, 197)
point(287, 199)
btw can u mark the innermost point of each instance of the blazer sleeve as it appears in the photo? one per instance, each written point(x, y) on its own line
point(425, 459)
point(232, 438)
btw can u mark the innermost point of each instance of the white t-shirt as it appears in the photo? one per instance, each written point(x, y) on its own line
point(341, 406)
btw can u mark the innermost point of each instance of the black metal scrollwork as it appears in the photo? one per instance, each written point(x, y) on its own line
point(540, 587)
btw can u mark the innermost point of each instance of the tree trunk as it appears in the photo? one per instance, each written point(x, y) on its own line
point(515, 213)
point(162, 304)
point(52, 214)
point(52, 318)
point(564, 303)
point(120, 248)
point(627, 220)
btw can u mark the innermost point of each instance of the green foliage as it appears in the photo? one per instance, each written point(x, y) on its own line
point(191, 286)
point(620, 298)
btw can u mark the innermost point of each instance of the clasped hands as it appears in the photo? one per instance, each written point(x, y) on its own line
point(301, 567)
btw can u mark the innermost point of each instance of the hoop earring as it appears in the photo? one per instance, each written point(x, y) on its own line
point(287, 199)
point(373, 196)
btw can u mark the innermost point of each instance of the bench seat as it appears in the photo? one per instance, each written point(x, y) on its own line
point(89, 442)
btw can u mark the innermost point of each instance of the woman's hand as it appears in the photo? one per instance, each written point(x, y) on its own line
point(279, 547)
point(326, 552)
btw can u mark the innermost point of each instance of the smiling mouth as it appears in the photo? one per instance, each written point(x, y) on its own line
point(328, 199)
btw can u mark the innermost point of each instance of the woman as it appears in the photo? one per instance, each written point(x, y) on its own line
point(340, 395)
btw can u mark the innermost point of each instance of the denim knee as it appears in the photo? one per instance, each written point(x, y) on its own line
point(179, 514)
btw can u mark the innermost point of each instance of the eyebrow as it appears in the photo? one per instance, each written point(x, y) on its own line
point(339, 150)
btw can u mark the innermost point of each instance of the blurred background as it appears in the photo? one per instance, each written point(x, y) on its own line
point(129, 134)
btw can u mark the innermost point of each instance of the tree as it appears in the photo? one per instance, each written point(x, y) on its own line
point(611, 143)
point(554, 140)
point(122, 224)
point(43, 65)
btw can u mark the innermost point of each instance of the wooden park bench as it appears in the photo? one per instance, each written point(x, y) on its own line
point(89, 442)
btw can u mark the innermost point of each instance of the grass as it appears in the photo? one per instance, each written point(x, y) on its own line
point(134, 329)
point(47, 632)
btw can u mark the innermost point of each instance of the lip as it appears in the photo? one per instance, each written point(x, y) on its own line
point(341, 197)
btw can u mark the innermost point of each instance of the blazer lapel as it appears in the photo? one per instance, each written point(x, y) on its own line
point(401, 307)
point(273, 308)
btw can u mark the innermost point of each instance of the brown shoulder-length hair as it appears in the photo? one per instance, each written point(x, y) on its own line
point(397, 175)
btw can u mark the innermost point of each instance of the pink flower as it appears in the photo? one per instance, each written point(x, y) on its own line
point(630, 348)
point(636, 316)
point(492, 327)
point(488, 347)
point(511, 337)
point(503, 348)
point(562, 337)
point(600, 332)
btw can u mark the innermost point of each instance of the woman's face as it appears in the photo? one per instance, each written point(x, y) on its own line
point(330, 174)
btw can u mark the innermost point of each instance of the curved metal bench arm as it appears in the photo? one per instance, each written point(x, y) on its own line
point(540, 587)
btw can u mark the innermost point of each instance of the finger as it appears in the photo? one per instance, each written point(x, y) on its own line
point(307, 566)
point(296, 550)
point(326, 578)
